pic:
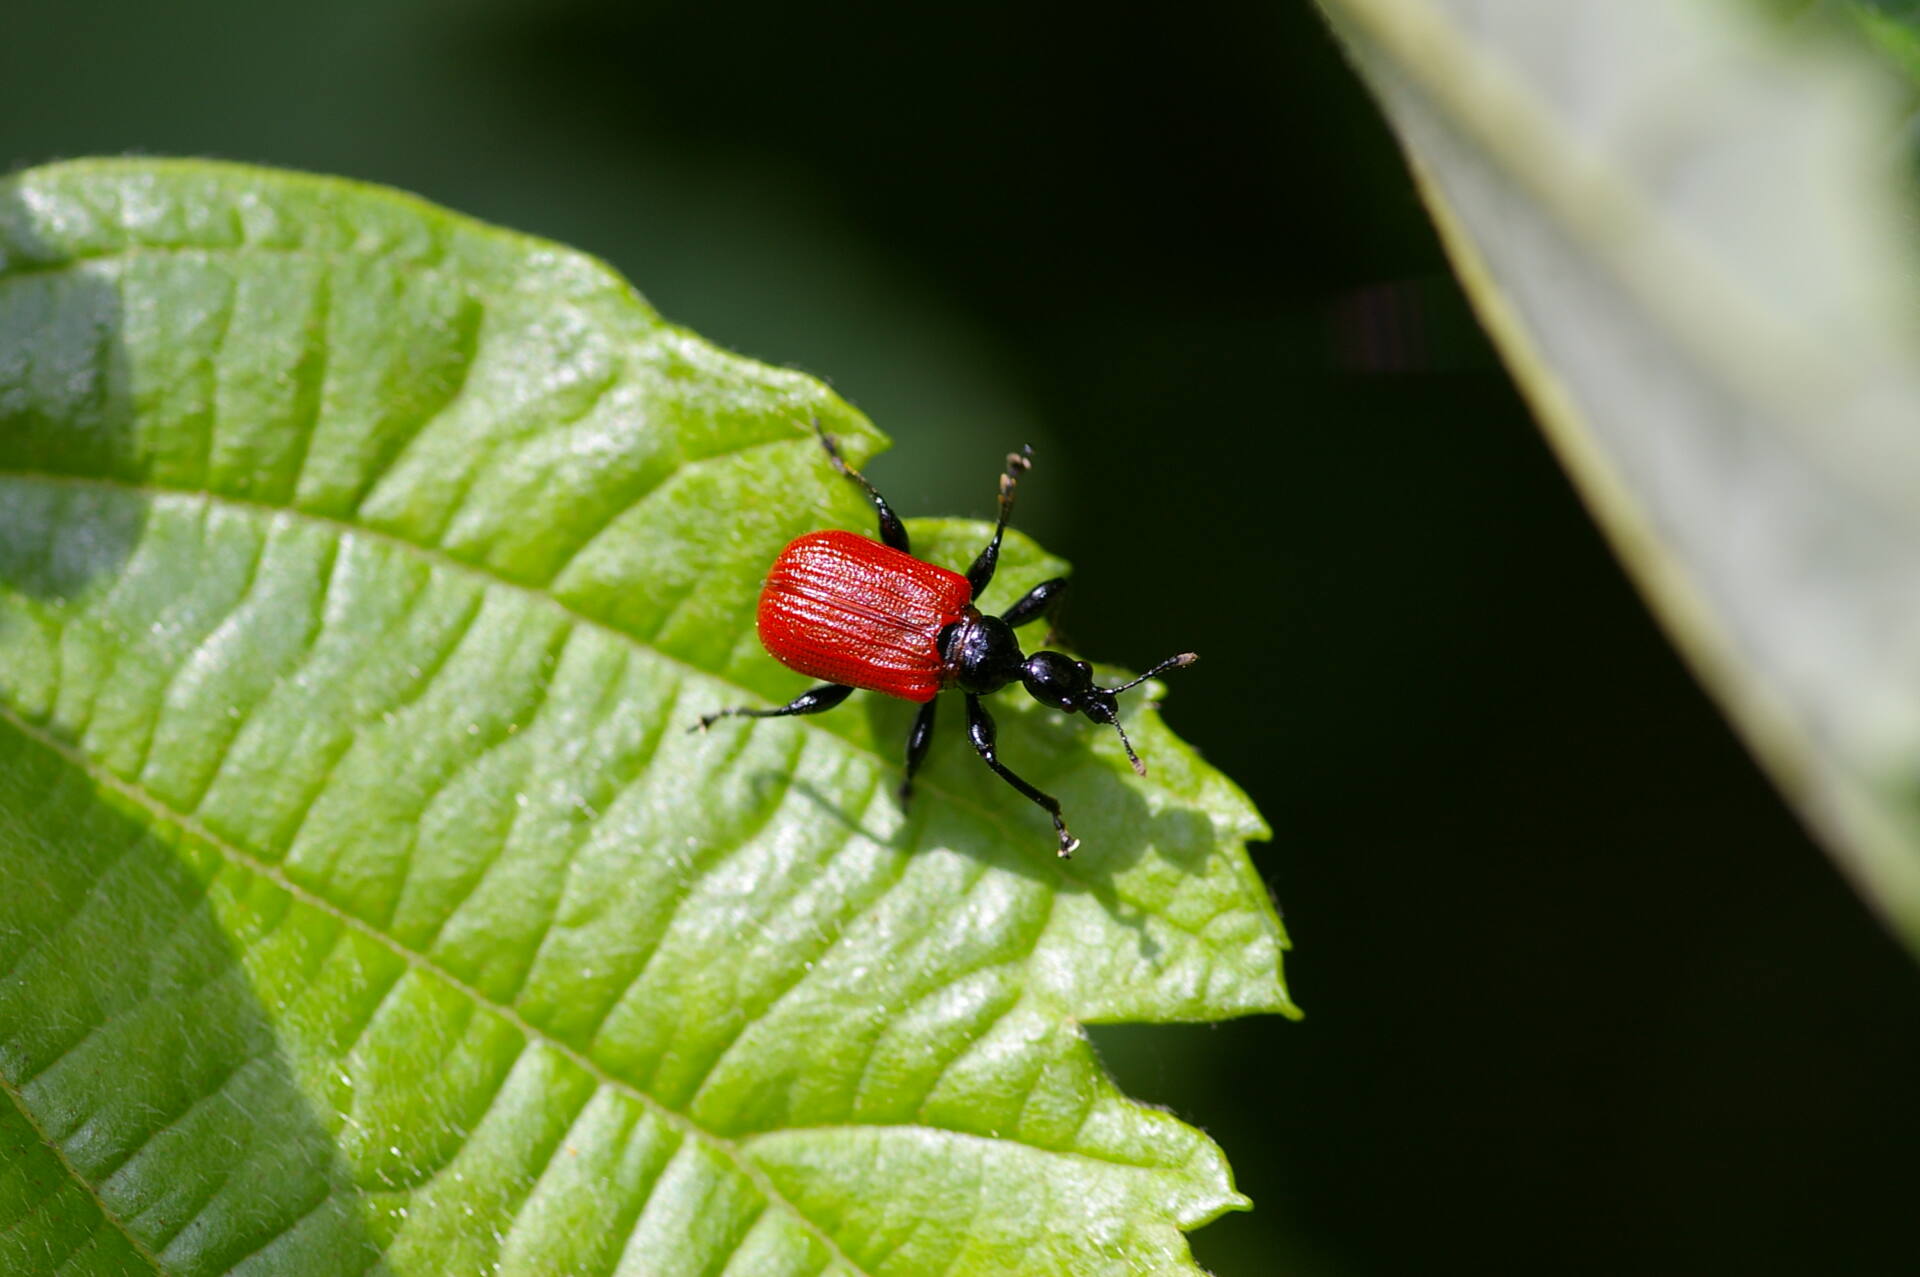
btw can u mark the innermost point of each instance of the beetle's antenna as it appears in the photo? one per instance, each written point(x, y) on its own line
point(1171, 663)
point(1139, 768)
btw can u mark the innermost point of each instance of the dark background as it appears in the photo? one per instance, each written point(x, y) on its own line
point(1582, 997)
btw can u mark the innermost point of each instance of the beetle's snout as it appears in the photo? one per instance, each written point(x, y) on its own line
point(1056, 680)
point(1099, 705)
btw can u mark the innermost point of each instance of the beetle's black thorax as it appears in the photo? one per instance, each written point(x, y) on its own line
point(979, 653)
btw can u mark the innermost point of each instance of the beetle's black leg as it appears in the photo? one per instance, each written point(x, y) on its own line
point(982, 570)
point(1043, 599)
point(981, 732)
point(812, 701)
point(917, 741)
point(892, 531)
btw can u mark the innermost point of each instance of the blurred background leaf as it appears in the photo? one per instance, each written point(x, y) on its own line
point(1577, 979)
point(1686, 236)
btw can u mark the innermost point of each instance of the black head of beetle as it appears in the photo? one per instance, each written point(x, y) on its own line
point(983, 655)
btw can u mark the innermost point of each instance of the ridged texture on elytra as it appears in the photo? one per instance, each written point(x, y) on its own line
point(365, 905)
point(847, 609)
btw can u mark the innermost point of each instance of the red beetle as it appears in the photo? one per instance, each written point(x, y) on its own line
point(862, 613)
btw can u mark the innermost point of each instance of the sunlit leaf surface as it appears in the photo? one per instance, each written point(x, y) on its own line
point(367, 905)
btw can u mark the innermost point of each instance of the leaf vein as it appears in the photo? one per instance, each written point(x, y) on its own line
point(209, 430)
point(328, 575)
point(314, 404)
point(1008, 1007)
point(722, 1264)
point(60, 1155)
point(227, 1167)
point(556, 651)
point(859, 906)
point(571, 859)
point(394, 449)
point(107, 1174)
point(422, 684)
point(696, 870)
point(213, 632)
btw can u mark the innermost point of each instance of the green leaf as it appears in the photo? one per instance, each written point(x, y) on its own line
point(368, 904)
point(1688, 237)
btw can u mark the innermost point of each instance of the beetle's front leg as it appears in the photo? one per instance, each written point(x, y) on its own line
point(980, 731)
point(1043, 599)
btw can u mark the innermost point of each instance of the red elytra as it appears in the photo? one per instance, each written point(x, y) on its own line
point(849, 610)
